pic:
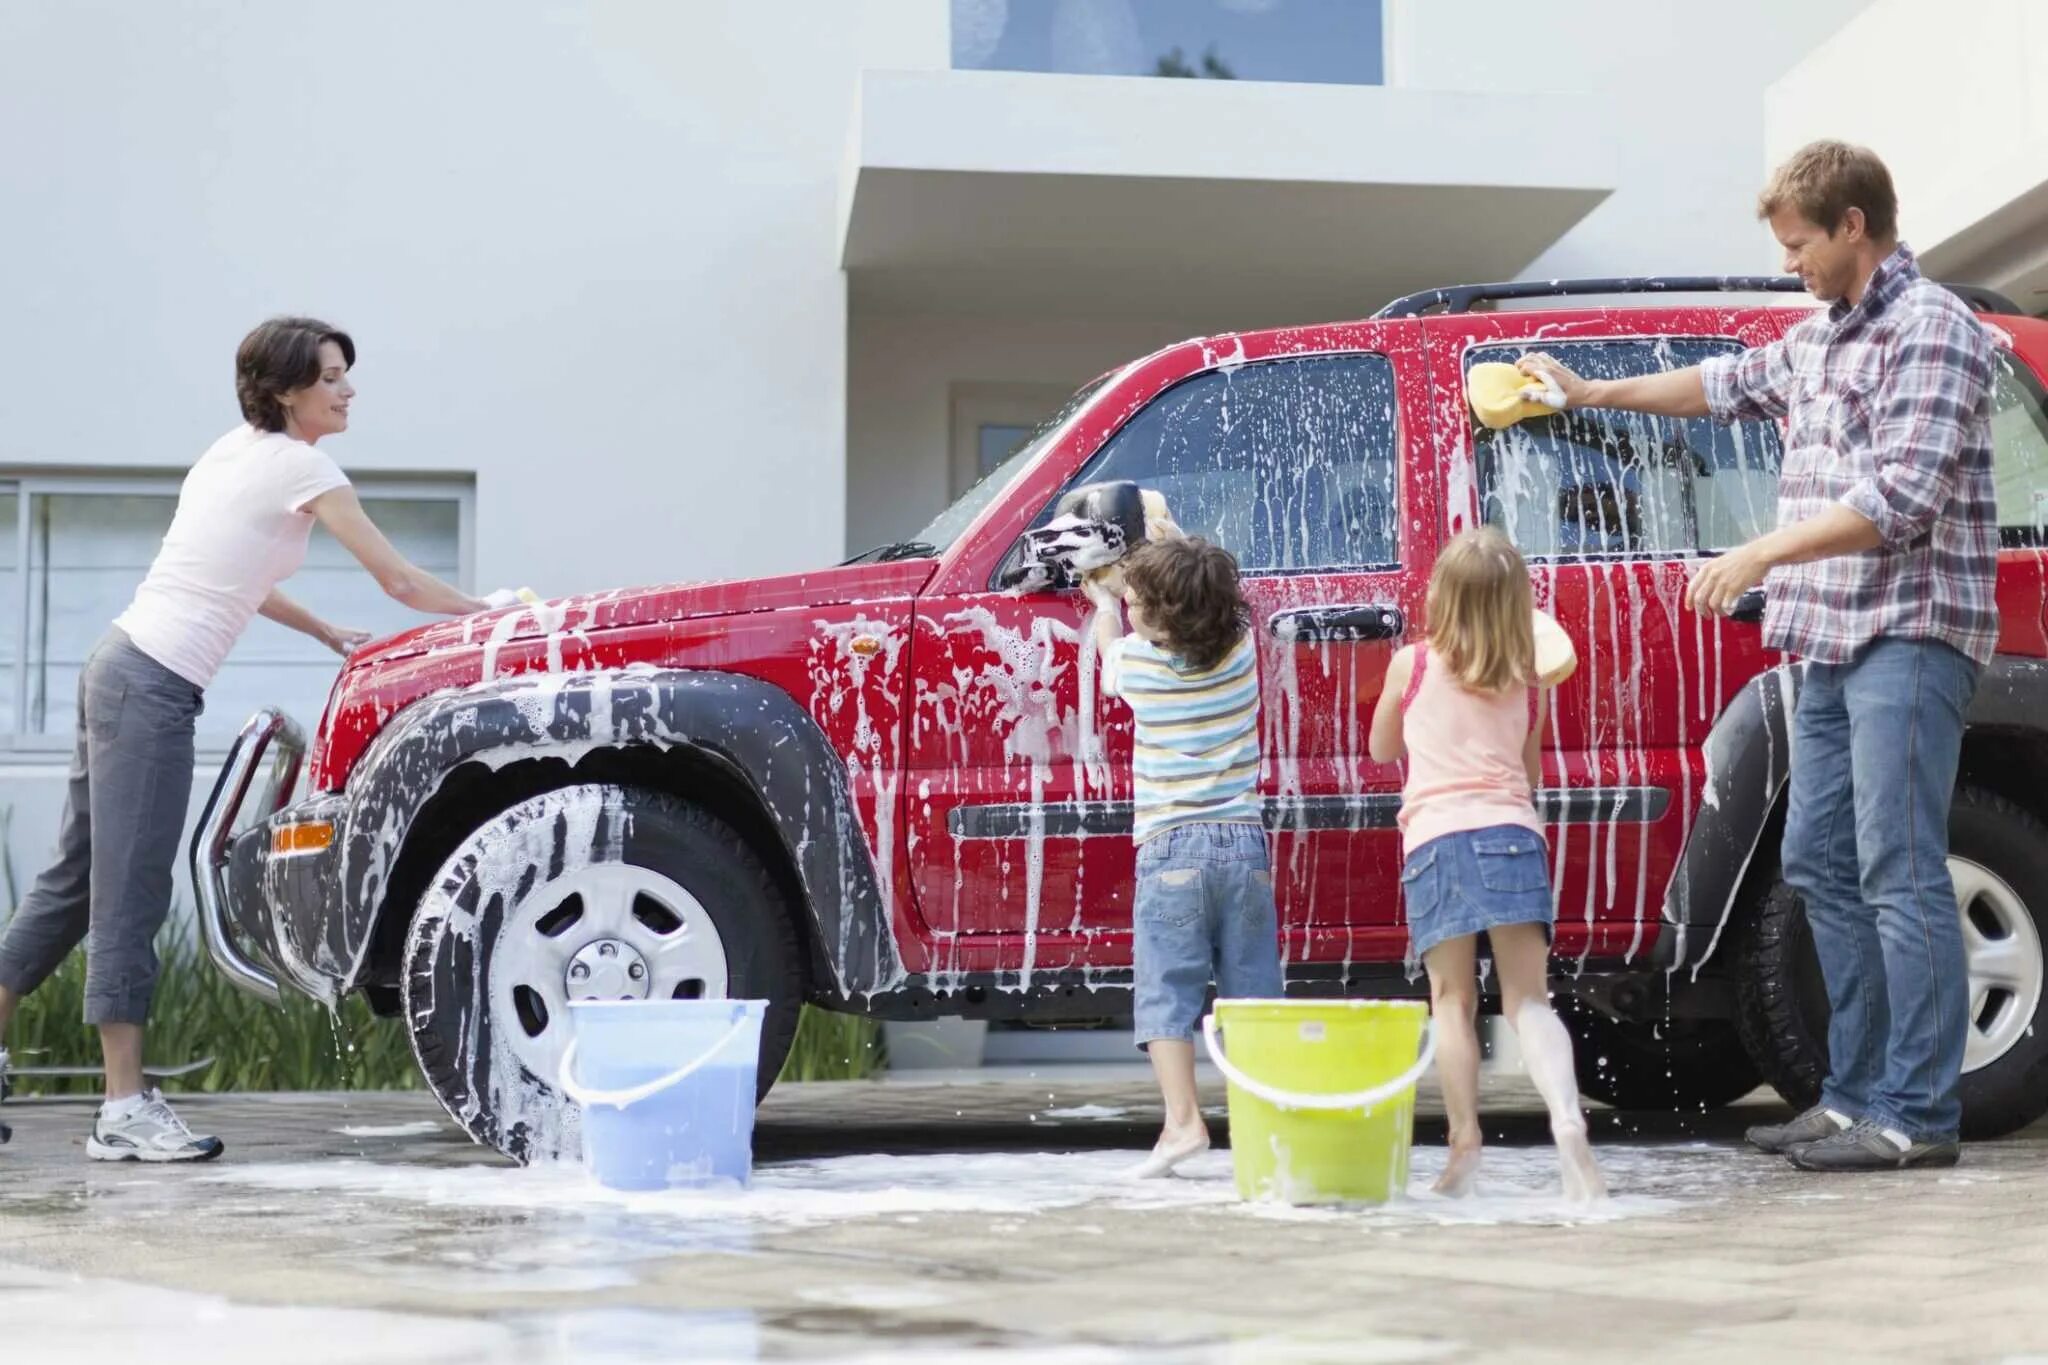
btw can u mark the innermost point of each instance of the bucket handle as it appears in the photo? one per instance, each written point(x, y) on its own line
point(1288, 1099)
point(566, 1074)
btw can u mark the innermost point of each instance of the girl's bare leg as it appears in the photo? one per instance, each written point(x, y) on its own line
point(1454, 1005)
point(1521, 954)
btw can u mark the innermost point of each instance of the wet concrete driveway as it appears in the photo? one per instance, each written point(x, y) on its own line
point(988, 1216)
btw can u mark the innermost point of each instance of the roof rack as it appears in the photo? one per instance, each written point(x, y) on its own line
point(1461, 298)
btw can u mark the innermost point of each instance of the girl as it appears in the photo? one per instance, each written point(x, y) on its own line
point(1464, 709)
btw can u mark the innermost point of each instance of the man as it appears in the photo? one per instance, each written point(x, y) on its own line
point(1881, 576)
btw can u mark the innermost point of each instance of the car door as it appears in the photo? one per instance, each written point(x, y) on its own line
point(1615, 511)
point(1294, 462)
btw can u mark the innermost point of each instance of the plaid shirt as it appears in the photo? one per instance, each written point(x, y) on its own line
point(1887, 410)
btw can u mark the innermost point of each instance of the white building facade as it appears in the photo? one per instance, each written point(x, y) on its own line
point(649, 290)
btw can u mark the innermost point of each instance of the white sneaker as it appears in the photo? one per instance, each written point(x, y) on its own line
point(151, 1132)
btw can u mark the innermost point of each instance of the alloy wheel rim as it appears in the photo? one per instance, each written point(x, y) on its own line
point(579, 936)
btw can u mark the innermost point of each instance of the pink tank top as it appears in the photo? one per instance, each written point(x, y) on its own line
point(1464, 756)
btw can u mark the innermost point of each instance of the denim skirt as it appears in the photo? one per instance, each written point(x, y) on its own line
point(1475, 880)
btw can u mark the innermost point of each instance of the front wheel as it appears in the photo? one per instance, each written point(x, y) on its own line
point(1998, 859)
point(584, 893)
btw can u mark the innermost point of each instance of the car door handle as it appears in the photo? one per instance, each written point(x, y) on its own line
point(1349, 621)
point(1748, 607)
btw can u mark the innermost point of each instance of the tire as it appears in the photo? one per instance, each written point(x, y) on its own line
point(560, 897)
point(1998, 854)
point(1676, 1064)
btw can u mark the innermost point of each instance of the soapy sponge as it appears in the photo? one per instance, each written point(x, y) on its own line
point(1556, 659)
point(1502, 395)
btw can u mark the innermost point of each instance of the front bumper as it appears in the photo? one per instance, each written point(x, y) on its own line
point(253, 903)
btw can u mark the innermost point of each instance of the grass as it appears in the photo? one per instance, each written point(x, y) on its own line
point(834, 1047)
point(303, 1047)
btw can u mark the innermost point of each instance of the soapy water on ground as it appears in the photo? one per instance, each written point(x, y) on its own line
point(53, 1317)
point(1516, 1185)
point(424, 1128)
point(1097, 1113)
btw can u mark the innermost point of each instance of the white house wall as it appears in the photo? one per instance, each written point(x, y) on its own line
point(1954, 96)
point(1684, 83)
point(588, 251)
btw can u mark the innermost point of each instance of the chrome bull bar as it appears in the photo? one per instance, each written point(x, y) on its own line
point(211, 839)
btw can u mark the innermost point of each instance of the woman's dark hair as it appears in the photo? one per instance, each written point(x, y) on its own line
point(1189, 592)
point(281, 355)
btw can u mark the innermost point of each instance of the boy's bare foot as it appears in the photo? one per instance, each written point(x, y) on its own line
point(1583, 1183)
point(1172, 1149)
point(1459, 1171)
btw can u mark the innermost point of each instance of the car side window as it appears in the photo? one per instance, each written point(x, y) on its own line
point(1601, 482)
point(2019, 452)
point(1288, 464)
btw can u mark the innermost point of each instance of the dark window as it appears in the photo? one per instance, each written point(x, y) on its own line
point(2019, 453)
point(1330, 41)
point(1288, 464)
point(1605, 482)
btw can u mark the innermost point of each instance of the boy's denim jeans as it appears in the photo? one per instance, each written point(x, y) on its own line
point(1203, 912)
point(1875, 746)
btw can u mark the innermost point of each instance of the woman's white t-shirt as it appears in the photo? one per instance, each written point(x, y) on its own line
point(241, 528)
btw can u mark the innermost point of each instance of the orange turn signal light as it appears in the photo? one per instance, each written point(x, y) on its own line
point(309, 837)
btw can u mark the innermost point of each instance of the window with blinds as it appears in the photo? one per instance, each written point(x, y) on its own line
point(72, 551)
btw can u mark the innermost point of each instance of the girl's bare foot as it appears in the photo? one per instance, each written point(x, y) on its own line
point(1583, 1183)
point(1173, 1148)
point(1459, 1171)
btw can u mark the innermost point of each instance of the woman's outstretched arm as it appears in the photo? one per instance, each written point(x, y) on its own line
point(341, 512)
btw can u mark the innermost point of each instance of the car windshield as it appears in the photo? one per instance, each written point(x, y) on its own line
point(949, 524)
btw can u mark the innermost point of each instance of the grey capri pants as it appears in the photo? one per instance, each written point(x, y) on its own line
point(124, 810)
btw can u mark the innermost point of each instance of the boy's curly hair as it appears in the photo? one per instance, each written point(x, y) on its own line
point(1189, 592)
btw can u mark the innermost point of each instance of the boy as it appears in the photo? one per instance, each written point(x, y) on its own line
point(1204, 904)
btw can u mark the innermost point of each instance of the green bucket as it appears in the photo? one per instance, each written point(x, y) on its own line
point(1322, 1095)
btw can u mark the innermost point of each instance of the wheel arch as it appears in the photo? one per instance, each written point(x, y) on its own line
point(738, 746)
point(1731, 854)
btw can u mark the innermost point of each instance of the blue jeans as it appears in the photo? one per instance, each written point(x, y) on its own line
point(1204, 911)
point(1875, 745)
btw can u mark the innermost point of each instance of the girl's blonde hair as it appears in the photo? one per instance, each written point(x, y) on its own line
point(1481, 612)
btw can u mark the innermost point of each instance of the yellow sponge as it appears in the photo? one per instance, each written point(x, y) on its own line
point(1556, 659)
point(1501, 395)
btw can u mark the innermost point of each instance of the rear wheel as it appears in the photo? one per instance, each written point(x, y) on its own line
point(1670, 1064)
point(585, 893)
point(1998, 858)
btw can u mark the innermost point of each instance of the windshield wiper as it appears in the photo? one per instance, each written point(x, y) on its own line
point(902, 549)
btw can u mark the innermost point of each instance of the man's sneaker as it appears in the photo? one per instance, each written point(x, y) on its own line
point(152, 1131)
point(1871, 1147)
point(1814, 1125)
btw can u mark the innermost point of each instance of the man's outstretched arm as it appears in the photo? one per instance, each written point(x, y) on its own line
point(1669, 393)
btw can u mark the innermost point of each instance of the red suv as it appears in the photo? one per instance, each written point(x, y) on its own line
point(894, 789)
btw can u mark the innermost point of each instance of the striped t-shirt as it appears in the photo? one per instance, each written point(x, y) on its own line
point(1197, 753)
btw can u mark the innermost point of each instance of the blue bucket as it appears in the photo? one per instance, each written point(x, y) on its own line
point(667, 1089)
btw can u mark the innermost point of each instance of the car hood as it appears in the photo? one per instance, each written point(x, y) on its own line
point(602, 611)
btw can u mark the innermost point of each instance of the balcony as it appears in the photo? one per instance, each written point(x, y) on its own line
point(997, 194)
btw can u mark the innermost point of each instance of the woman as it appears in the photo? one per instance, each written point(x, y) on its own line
point(244, 516)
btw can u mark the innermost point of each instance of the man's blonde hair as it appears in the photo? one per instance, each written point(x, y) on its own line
point(1824, 180)
point(1481, 612)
